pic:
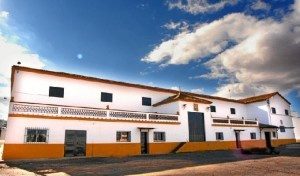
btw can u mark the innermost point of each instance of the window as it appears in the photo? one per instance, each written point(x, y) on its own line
point(232, 110)
point(106, 97)
point(253, 135)
point(273, 110)
point(219, 136)
point(123, 136)
point(146, 101)
point(212, 108)
point(281, 122)
point(274, 134)
point(159, 136)
point(56, 92)
point(282, 129)
point(286, 112)
point(36, 135)
point(196, 107)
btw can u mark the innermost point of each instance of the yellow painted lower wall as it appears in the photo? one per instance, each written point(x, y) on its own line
point(162, 148)
point(119, 149)
point(35, 151)
point(32, 151)
point(278, 142)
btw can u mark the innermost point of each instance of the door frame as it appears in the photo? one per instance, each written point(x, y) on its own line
point(268, 139)
point(204, 131)
point(75, 138)
point(238, 138)
point(146, 141)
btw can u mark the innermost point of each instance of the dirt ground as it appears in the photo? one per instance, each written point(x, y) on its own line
point(201, 163)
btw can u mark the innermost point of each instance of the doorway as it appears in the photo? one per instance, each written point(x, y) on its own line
point(75, 143)
point(196, 127)
point(144, 142)
point(238, 139)
point(268, 139)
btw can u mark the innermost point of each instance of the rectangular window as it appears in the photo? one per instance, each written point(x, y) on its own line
point(123, 136)
point(232, 110)
point(286, 112)
point(282, 129)
point(212, 108)
point(273, 110)
point(274, 134)
point(159, 136)
point(219, 136)
point(196, 107)
point(146, 101)
point(36, 135)
point(253, 135)
point(56, 92)
point(106, 97)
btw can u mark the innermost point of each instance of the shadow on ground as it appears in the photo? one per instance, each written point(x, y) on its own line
point(139, 164)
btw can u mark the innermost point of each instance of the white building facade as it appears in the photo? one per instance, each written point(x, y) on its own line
point(55, 115)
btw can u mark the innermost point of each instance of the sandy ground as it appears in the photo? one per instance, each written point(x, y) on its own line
point(201, 163)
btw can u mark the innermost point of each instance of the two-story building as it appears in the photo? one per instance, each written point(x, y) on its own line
point(56, 114)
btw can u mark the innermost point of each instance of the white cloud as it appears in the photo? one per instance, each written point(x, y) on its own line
point(182, 25)
point(260, 5)
point(199, 6)
point(198, 91)
point(175, 88)
point(10, 53)
point(263, 54)
point(79, 56)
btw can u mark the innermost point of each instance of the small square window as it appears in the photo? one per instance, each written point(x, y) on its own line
point(36, 135)
point(56, 92)
point(273, 110)
point(196, 107)
point(286, 112)
point(253, 135)
point(123, 136)
point(232, 110)
point(282, 129)
point(212, 108)
point(146, 101)
point(159, 136)
point(219, 136)
point(106, 97)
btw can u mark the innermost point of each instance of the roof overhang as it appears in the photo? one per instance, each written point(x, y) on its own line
point(261, 126)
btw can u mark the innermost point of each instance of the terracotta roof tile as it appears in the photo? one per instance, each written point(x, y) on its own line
point(261, 98)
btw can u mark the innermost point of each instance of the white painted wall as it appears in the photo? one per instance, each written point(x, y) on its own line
point(260, 111)
point(296, 123)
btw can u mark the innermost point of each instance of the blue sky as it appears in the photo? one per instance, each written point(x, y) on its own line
point(114, 39)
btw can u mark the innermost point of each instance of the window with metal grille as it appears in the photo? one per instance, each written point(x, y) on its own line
point(123, 136)
point(232, 110)
point(159, 136)
point(56, 92)
point(273, 110)
point(106, 97)
point(286, 112)
point(146, 101)
point(253, 135)
point(274, 134)
point(282, 129)
point(219, 136)
point(36, 135)
point(212, 108)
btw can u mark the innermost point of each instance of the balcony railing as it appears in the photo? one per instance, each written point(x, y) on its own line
point(80, 112)
point(234, 122)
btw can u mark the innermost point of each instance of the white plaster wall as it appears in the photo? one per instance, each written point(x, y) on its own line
point(170, 108)
point(97, 131)
point(34, 87)
point(280, 105)
point(259, 110)
point(223, 109)
point(296, 123)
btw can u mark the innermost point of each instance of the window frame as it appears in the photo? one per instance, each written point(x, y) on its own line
point(145, 101)
point(106, 93)
point(274, 135)
point(128, 136)
point(55, 89)
point(213, 107)
point(253, 136)
point(232, 111)
point(273, 110)
point(221, 135)
point(36, 135)
point(286, 112)
point(159, 140)
point(282, 129)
